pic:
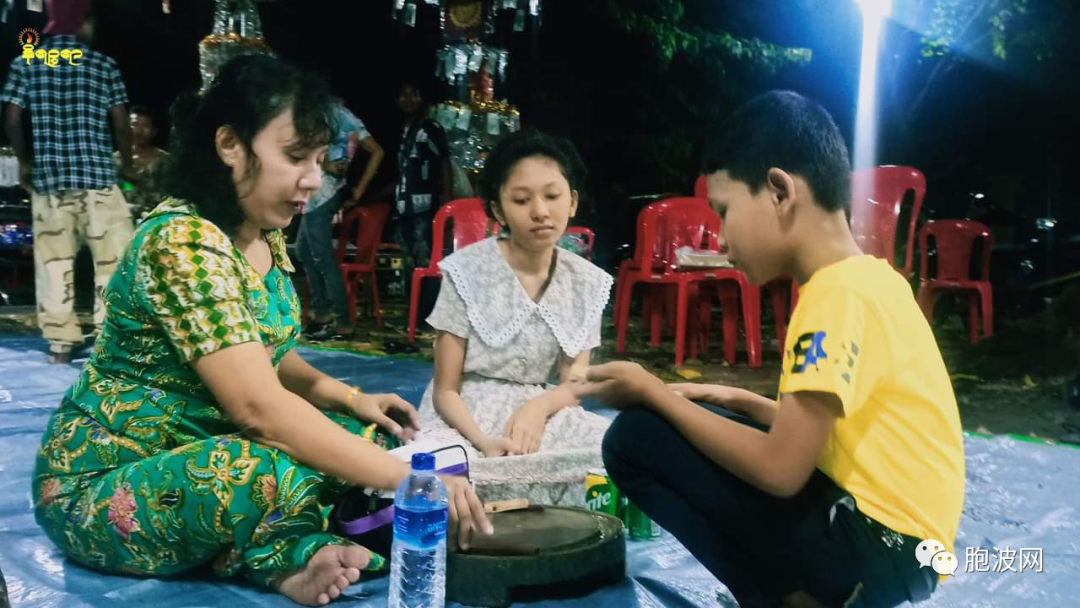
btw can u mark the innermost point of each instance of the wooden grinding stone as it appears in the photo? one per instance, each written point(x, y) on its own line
point(538, 553)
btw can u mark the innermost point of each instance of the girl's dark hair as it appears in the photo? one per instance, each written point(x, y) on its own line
point(523, 144)
point(248, 92)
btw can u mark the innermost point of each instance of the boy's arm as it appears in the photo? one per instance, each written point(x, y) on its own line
point(778, 462)
point(741, 401)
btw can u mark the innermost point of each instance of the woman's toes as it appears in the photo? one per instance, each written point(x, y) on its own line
point(353, 574)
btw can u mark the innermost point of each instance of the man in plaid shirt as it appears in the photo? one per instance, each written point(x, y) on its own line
point(69, 171)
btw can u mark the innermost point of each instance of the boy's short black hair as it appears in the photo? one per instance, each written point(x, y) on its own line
point(785, 130)
point(523, 144)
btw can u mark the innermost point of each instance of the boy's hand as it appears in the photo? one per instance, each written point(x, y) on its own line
point(621, 384)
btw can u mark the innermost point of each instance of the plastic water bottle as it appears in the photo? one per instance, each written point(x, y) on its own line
point(418, 556)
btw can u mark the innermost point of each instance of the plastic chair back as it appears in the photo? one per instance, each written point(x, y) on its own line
point(367, 222)
point(954, 242)
point(876, 197)
point(685, 223)
point(469, 223)
point(701, 188)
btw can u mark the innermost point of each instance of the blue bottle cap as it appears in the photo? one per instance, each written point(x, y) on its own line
point(423, 462)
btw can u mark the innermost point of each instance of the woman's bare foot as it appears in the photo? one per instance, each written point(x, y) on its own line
point(326, 575)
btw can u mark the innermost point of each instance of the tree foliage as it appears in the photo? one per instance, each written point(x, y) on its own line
point(996, 28)
point(690, 75)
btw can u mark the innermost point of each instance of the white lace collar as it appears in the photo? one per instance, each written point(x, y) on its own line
point(498, 306)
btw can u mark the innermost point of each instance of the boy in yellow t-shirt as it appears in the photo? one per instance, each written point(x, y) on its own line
point(820, 497)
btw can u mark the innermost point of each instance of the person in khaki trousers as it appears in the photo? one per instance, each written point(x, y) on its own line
point(69, 169)
point(62, 222)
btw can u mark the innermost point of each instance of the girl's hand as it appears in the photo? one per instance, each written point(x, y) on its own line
point(526, 426)
point(493, 447)
point(388, 411)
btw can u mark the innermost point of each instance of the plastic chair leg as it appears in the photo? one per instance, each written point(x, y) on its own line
point(375, 305)
point(986, 295)
point(680, 322)
point(973, 316)
point(656, 321)
point(780, 311)
point(729, 311)
point(350, 292)
point(751, 310)
point(927, 298)
point(414, 305)
point(622, 316)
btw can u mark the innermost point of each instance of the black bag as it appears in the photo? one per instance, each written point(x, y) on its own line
point(365, 516)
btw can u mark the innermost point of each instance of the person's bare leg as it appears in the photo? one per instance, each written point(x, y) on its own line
point(325, 576)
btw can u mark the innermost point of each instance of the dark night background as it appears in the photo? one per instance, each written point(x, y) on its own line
point(1004, 130)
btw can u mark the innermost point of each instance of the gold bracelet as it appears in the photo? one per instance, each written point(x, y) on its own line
point(353, 393)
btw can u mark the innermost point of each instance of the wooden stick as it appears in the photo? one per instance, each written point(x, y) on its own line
point(500, 506)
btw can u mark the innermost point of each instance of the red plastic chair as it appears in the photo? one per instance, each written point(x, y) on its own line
point(634, 264)
point(876, 196)
point(954, 241)
point(358, 264)
point(667, 226)
point(469, 223)
point(587, 234)
point(701, 188)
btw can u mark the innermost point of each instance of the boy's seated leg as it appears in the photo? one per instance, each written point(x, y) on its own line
point(762, 547)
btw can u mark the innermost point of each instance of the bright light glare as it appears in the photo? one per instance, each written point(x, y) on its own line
point(874, 14)
point(875, 9)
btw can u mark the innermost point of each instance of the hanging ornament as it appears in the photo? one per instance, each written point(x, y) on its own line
point(473, 128)
point(456, 60)
point(237, 31)
point(465, 19)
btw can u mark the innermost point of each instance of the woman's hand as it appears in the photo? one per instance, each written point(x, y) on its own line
point(498, 446)
point(466, 512)
point(525, 427)
point(388, 411)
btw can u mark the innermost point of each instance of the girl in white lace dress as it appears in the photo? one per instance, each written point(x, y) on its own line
point(514, 315)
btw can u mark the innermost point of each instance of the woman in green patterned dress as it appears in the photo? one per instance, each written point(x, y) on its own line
point(195, 432)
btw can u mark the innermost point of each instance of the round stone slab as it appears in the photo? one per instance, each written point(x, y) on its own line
point(538, 553)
